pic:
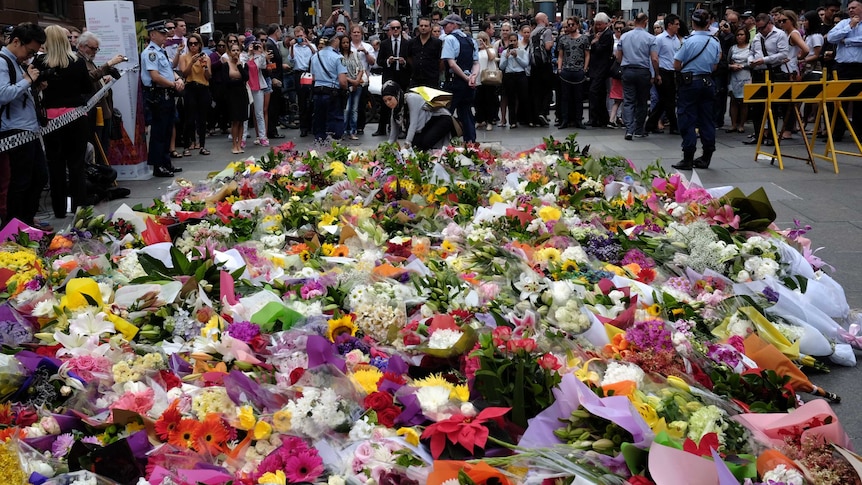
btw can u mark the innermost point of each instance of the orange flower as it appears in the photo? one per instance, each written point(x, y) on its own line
point(297, 249)
point(340, 251)
point(213, 434)
point(168, 421)
point(185, 434)
point(618, 346)
point(60, 242)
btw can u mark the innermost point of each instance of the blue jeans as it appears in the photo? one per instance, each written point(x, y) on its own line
point(351, 112)
point(328, 116)
point(636, 86)
point(694, 110)
point(462, 103)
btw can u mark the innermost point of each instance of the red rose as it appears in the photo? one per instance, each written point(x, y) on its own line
point(386, 417)
point(170, 379)
point(377, 401)
point(639, 480)
point(296, 375)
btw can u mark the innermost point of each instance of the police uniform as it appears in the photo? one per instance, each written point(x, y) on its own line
point(696, 96)
point(159, 102)
point(326, 66)
point(463, 50)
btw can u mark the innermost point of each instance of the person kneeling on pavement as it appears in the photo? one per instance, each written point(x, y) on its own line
point(426, 128)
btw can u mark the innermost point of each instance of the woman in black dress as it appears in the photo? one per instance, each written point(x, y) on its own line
point(237, 96)
point(69, 87)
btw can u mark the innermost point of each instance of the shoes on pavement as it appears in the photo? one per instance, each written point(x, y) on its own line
point(489, 127)
point(277, 135)
point(379, 133)
point(641, 135)
point(162, 172)
point(683, 165)
point(629, 136)
point(303, 134)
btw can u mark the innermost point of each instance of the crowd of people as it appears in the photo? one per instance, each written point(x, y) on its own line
point(668, 76)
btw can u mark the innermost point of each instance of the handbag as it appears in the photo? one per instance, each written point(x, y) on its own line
point(491, 77)
point(375, 83)
point(116, 125)
point(616, 70)
point(306, 79)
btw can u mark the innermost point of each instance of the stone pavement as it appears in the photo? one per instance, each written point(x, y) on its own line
point(824, 200)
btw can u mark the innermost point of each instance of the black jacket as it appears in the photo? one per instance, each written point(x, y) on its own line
point(390, 73)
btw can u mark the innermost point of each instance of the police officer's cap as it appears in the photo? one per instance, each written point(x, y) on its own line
point(700, 17)
point(158, 25)
point(747, 13)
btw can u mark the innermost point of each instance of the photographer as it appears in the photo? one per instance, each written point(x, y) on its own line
point(195, 68)
point(255, 60)
point(23, 170)
point(88, 46)
point(69, 87)
point(514, 61)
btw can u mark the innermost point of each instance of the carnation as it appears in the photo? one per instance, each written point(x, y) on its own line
point(782, 474)
point(618, 372)
point(444, 338)
point(707, 419)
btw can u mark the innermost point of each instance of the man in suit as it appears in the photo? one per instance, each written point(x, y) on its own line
point(392, 58)
point(601, 52)
point(276, 74)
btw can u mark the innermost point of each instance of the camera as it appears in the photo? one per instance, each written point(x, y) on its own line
point(44, 75)
point(300, 40)
point(125, 59)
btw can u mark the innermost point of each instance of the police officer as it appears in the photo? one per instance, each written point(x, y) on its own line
point(330, 83)
point(161, 86)
point(694, 63)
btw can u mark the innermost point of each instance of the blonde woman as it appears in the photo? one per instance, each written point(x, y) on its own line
point(69, 86)
point(195, 66)
point(486, 102)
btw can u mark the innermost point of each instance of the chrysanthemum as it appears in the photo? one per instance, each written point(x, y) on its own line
point(433, 380)
point(185, 434)
point(303, 467)
point(367, 378)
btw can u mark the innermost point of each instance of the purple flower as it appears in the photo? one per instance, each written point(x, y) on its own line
point(723, 354)
point(638, 257)
point(650, 334)
point(312, 289)
point(770, 294)
point(604, 248)
point(62, 445)
point(245, 331)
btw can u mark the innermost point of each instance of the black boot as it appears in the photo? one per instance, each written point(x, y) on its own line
point(703, 160)
point(687, 162)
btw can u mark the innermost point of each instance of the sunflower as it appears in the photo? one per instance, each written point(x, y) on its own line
point(327, 249)
point(338, 326)
point(569, 266)
point(213, 433)
point(185, 434)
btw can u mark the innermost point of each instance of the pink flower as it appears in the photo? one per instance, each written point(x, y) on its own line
point(139, 402)
point(526, 344)
point(724, 215)
point(501, 335)
point(549, 362)
point(303, 467)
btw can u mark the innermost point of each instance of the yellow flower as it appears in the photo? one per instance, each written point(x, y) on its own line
point(654, 310)
point(337, 168)
point(245, 418)
point(551, 255)
point(447, 246)
point(460, 392)
point(134, 426)
point(495, 198)
point(326, 249)
point(338, 326)
point(367, 378)
point(281, 420)
point(576, 177)
point(273, 478)
point(214, 323)
point(569, 266)
point(550, 213)
point(677, 429)
point(262, 430)
point(648, 414)
point(410, 435)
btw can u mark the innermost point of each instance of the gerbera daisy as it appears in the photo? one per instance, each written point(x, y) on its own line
point(168, 421)
point(185, 434)
point(213, 433)
point(303, 467)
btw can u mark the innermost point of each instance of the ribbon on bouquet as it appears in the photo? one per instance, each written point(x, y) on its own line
point(852, 335)
point(19, 139)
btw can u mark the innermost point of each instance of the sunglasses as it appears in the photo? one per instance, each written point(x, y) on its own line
point(221, 45)
point(170, 27)
point(394, 28)
point(193, 43)
point(781, 21)
point(95, 49)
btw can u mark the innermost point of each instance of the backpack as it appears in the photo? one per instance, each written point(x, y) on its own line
point(539, 56)
point(13, 78)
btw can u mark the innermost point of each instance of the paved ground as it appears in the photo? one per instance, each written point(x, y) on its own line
point(825, 200)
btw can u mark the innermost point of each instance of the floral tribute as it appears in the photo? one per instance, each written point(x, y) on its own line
point(393, 317)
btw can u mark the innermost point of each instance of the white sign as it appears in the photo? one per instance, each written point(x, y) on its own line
point(626, 4)
point(206, 28)
point(114, 23)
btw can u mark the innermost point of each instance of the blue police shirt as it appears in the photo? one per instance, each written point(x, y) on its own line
point(848, 42)
point(451, 46)
point(153, 58)
point(692, 46)
point(333, 61)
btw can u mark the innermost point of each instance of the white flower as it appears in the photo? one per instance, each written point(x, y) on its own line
point(88, 324)
point(618, 372)
point(576, 254)
point(742, 277)
point(530, 286)
point(739, 325)
point(432, 399)
point(444, 338)
point(782, 474)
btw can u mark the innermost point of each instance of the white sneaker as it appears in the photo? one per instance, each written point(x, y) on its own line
point(489, 127)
